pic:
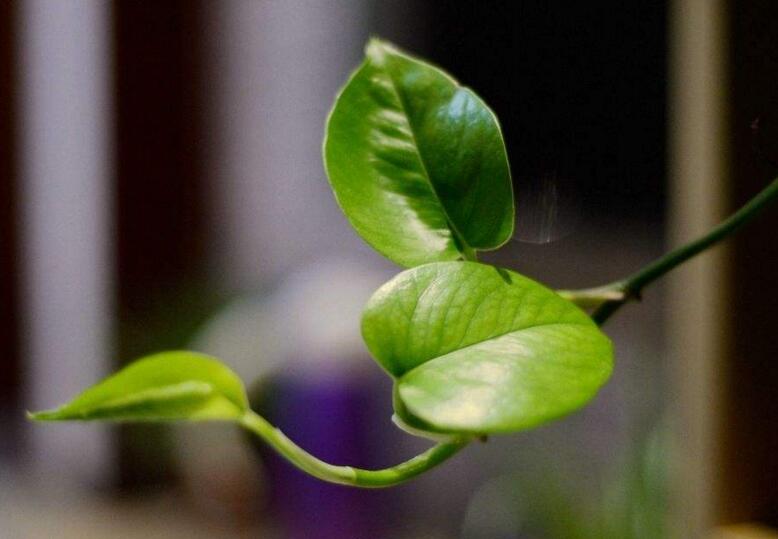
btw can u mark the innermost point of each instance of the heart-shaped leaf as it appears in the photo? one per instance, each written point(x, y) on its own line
point(417, 162)
point(477, 349)
point(163, 387)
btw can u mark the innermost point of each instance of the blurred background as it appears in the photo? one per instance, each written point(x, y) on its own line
point(161, 186)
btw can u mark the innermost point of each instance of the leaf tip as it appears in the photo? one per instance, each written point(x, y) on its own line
point(373, 41)
point(44, 415)
point(377, 48)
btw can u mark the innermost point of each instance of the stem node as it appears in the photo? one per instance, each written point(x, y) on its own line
point(631, 288)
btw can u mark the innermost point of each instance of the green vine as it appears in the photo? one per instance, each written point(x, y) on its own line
point(418, 165)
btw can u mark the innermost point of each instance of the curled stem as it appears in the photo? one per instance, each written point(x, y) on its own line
point(347, 475)
point(631, 287)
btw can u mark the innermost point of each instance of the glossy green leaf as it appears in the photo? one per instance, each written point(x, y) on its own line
point(477, 349)
point(162, 387)
point(417, 162)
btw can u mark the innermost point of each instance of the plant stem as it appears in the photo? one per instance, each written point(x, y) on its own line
point(592, 297)
point(632, 286)
point(468, 253)
point(347, 475)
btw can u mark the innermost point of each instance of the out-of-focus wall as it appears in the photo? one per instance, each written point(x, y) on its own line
point(65, 105)
point(273, 70)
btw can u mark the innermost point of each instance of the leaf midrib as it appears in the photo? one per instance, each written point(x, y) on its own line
point(458, 235)
point(164, 393)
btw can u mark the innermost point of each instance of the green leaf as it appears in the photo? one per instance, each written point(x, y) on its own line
point(477, 349)
point(163, 387)
point(417, 162)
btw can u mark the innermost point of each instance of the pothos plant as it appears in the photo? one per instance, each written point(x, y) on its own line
point(418, 165)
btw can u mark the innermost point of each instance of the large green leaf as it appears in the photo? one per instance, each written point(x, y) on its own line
point(478, 349)
point(162, 387)
point(417, 162)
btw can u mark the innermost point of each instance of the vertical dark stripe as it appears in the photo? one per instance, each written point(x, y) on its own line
point(750, 449)
point(159, 204)
point(9, 349)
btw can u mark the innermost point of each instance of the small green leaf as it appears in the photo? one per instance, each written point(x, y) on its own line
point(163, 387)
point(476, 349)
point(417, 162)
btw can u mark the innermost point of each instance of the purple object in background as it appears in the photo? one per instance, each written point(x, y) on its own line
point(333, 417)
